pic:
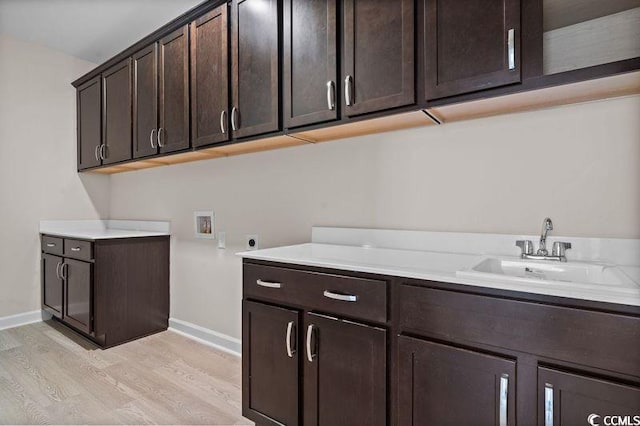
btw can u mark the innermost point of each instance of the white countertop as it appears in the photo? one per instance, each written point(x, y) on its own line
point(104, 229)
point(436, 266)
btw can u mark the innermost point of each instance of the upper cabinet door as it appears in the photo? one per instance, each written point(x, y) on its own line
point(89, 124)
point(310, 69)
point(210, 78)
point(470, 45)
point(145, 102)
point(378, 55)
point(447, 386)
point(116, 110)
point(173, 133)
point(254, 69)
point(345, 373)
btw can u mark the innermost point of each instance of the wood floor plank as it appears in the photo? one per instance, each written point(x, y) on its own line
point(50, 375)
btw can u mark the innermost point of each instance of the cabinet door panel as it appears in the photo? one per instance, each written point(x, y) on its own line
point(310, 51)
point(569, 399)
point(345, 383)
point(174, 91)
point(269, 374)
point(89, 107)
point(378, 53)
point(78, 306)
point(52, 288)
point(116, 110)
point(145, 101)
point(210, 78)
point(443, 385)
point(254, 72)
point(467, 45)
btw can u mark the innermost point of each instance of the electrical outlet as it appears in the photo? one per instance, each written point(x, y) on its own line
point(252, 241)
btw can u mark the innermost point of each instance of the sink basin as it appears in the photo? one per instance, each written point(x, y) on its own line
point(531, 271)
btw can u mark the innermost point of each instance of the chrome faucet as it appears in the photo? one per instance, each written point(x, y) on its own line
point(547, 225)
point(559, 248)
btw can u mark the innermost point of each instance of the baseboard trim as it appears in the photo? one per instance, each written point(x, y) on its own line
point(206, 336)
point(24, 318)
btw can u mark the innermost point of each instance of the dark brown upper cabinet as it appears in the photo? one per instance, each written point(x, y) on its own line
point(173, 71)
point(345, 381)
point(470, 46)
point(89, 116)
point(210, 78)
point(271, 352)
point(443, 385)
point(116, 113)
point(254, 67)
point(145, 101)
point(310, 73)
point(566, 399)
point(378, 55)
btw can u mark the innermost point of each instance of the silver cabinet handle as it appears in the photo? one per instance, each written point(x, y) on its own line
point(310, 354)
point(511, 47)
point(331, 96)
point(338, 296)
point(58, 270)
point(290, 349)
point(234, 126)
point(160, 131)
point(347, 90)
point(75, 248)
point(151, 138)
point(223, 119)
point(51, 245)
point(504, 399)
point(64, 270)
point(103, 151)
point(95, 152)
point(268, 284)
point(548, 404)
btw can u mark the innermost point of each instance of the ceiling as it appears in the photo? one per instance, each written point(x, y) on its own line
point(94, 30)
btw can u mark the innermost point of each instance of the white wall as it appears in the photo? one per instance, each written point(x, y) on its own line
point(578, 164)
point(38, 178)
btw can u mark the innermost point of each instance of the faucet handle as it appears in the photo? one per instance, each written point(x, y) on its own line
point(560, 247)
point(526, 246)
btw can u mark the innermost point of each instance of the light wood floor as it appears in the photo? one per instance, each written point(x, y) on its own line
point(49, 375)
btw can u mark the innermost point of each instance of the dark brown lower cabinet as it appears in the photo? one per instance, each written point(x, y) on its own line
point(443, 385)
point(270, 352)
point(78, 297)
point(111, 291)
point(52, 285)
point(566, 399)
point(345, 381)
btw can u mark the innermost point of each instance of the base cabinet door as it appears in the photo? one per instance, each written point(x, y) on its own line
point(270, 371)
point(52, 286)
point(344, 373)
point(78, 306)
point(566, 399)
point(443, 385)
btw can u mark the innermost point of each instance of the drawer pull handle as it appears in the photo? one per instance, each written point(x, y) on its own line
point(504, 398)
point(310, 354)
point(75, 248)
point(268, 284)
point(290, 349)
point(51, 245)
point(342, 297)
point(548, 404)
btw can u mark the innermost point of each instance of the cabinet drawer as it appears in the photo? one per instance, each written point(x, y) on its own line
point(52, 245)
point(78, 249)
point(354, 297)
point(594, 339)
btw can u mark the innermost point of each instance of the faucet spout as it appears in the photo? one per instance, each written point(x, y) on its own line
point(547, 225)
